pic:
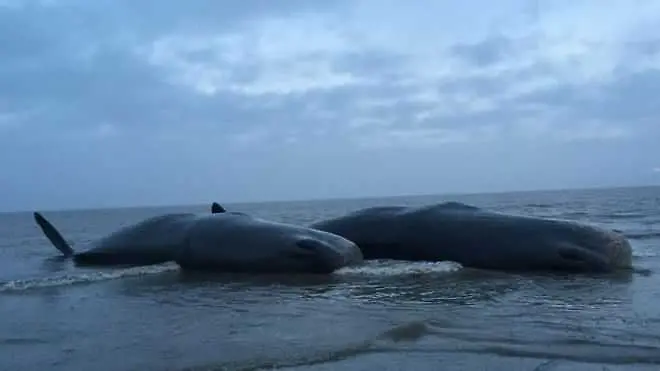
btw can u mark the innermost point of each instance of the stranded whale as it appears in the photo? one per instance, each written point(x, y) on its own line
point(478, 238)
point(221, 241)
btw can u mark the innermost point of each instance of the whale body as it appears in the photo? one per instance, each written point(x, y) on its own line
point(221, 241)
point(479, 238)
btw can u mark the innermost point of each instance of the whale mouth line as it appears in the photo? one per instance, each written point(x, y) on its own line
point(301, 254)
point(577, 257)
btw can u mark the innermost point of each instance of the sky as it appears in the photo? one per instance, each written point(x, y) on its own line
point(122, 103)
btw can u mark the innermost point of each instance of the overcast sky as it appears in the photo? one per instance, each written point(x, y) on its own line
point(123, 102)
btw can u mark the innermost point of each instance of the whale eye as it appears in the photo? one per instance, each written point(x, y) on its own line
point(310, 244)
point(570, 254)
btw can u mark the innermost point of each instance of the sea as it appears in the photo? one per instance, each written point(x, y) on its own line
point(383, 315)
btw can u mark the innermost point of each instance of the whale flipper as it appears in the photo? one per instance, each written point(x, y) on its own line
point(217, 209)
point(53, 235)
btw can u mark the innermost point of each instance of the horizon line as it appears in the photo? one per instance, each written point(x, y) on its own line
point(348, 198)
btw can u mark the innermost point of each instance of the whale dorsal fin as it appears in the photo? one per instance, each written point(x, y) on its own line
point(217, 209)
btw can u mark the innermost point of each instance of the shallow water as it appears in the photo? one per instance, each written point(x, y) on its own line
point(384, 315)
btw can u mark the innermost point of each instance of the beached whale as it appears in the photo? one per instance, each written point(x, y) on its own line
point(478, 238)
point(220, 241)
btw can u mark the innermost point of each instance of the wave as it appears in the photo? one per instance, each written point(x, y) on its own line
point(573, 214)
point(372, 269)
point(408, 339)
point(384, 268)
point(539, 205)
point(83, 278)
point(576, 351)
point(623, 215)
point(407, 332)
point(643, 235)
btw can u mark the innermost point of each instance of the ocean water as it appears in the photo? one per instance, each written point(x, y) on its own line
point(380, 316)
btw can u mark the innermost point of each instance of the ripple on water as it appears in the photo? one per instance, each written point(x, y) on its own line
point(294, 320)
point(22, 285)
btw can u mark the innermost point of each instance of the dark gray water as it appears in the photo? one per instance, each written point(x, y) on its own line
point(383, 316)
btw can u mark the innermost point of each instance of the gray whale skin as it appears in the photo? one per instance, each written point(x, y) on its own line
point(221, 242)
point(478, 238)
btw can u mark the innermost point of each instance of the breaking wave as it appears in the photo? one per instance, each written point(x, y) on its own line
point(82, 278)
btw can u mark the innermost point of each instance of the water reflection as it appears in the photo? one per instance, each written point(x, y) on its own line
point(184, 284)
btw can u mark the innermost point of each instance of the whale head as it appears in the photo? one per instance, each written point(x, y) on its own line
point(593, 250)
point(237, 242)
point(560, 245)
point(316, 255)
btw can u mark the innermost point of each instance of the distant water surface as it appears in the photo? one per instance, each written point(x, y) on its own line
point(382, 316)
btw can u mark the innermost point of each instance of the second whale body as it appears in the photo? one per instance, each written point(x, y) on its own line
point(478, 238)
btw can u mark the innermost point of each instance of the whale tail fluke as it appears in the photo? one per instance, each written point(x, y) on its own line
point(217, 209)
point(53, 235)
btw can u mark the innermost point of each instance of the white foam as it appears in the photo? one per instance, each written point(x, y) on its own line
point(398, 268)
point(71, 279)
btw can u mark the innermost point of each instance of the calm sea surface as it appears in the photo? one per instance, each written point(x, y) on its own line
point(382, 316)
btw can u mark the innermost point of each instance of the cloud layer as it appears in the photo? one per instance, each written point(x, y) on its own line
point(119, 102)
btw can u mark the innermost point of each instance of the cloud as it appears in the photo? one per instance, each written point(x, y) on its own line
point(428, 137)
point(271, 56)
point(527, 69)
point(248, 100)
